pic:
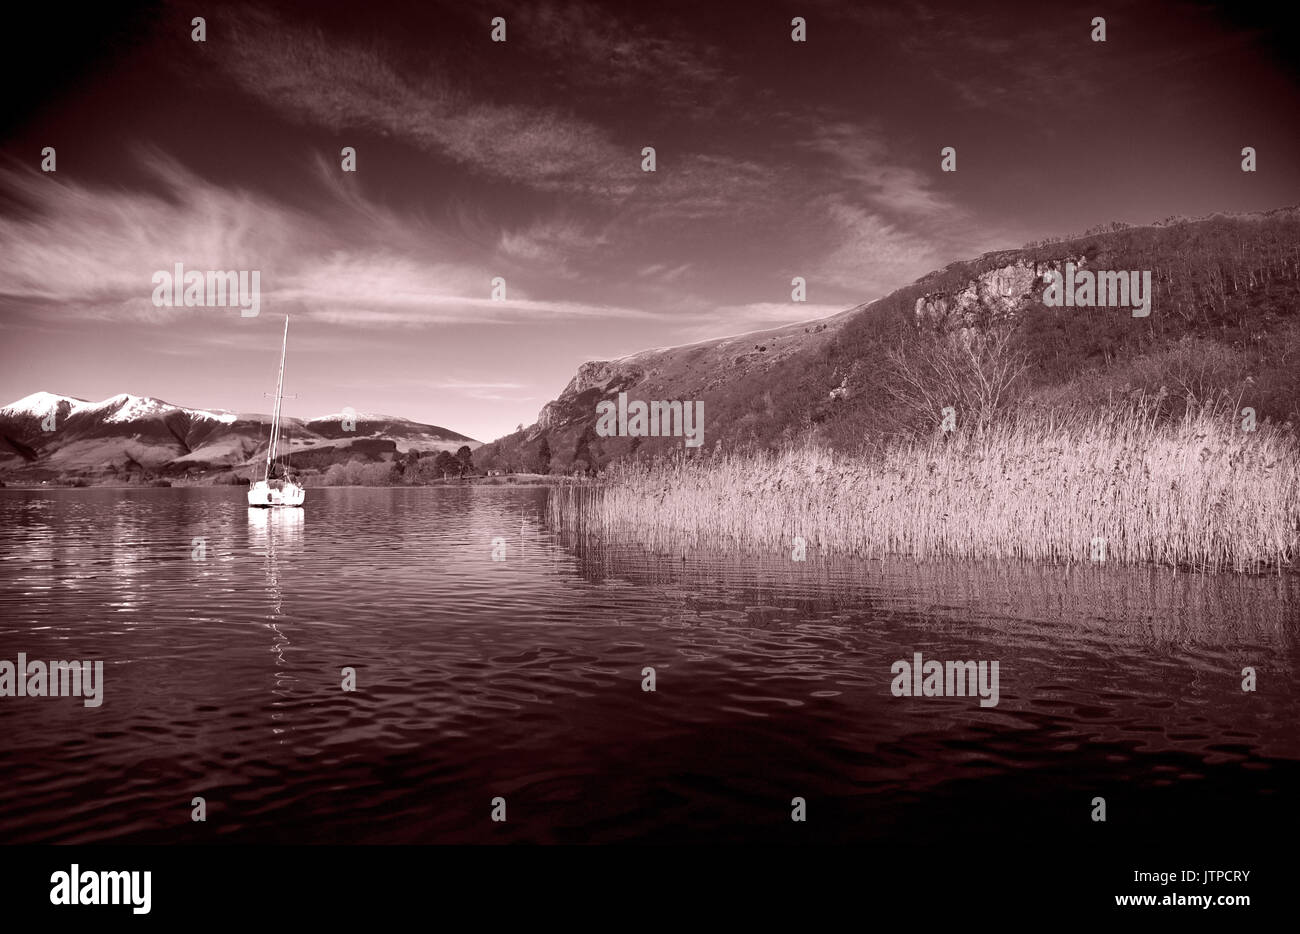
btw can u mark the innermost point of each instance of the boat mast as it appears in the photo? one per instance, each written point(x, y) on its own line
point(279, 393)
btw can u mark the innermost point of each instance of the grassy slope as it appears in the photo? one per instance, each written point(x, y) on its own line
point(1224, 319)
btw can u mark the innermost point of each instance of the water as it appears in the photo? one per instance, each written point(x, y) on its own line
point(522, 678)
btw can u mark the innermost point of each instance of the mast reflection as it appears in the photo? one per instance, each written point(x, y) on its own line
point(275, 533)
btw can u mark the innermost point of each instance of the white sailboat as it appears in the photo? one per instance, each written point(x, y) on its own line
point(269, 492)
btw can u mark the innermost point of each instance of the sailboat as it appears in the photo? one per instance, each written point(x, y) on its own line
point(269, 492)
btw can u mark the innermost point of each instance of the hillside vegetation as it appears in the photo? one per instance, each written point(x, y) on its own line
point(1223, 330)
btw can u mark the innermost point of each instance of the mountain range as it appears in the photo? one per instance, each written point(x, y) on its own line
point(133, 438)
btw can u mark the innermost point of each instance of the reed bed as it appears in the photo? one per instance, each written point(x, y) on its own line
point(1194, 492)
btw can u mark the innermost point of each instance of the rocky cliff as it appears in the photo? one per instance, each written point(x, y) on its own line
point(990, 296)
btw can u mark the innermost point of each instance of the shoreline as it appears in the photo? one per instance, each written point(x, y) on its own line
point(509, 480)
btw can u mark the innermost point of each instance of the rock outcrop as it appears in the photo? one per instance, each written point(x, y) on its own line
point(992, 296)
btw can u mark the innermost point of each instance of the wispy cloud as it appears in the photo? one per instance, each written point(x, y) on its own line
point(562, 245)
point(871, 254)
point(424, 311)
point(347, 85)
point(488, 391)
point(604, 51)
point(95, 249)
point(664, 272)
point(87, 252)
point(858, 162)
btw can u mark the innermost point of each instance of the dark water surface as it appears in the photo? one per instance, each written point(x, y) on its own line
point(522, 678)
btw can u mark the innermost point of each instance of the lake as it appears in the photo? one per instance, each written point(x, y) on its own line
point(520, 677)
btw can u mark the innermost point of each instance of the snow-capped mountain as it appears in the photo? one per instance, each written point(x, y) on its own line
point(123, 407)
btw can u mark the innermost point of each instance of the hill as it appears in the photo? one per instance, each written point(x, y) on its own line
point(975, 335)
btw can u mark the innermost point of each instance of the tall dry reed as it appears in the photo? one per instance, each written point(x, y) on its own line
point(1198, 491)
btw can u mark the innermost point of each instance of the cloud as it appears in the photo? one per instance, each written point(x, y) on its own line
point(871, 255)
point(602, 241)
point(559, 245)
point(664, 272)
point(488, 391)
point(96, 249)
point(456, 384)
point(858, 162)
point(599, 48)
point(84, 252)
point(346, 85)
point(457, 309)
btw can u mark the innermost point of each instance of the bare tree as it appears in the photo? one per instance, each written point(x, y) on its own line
point(971, 370)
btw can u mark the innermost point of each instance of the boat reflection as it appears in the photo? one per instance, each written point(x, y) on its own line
point(277, 532)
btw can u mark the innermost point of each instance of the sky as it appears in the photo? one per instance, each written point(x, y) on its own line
point(523, 160)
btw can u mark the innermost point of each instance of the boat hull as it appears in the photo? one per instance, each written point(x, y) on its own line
point(267, 497)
